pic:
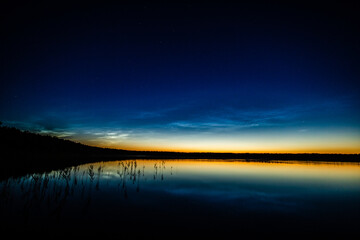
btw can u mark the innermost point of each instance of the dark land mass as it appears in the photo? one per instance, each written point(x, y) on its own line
point(25, 152)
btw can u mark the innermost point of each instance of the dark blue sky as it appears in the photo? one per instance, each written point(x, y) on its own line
point(185, 76)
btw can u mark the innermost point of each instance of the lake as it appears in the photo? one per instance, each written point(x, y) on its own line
point(173, 198)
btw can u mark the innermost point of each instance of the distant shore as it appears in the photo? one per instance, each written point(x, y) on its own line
point(24, 152)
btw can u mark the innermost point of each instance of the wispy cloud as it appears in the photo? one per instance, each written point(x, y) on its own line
point(231, 118)
point(184, 120)
point(234, 119)
point(111, 135)
point(225, 124)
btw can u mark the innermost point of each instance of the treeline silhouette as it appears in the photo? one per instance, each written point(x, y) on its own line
point(25, 152)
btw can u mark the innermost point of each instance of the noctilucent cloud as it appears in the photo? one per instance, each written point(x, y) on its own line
point(185, 77)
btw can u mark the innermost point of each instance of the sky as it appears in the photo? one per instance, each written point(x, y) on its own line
point(185, 76)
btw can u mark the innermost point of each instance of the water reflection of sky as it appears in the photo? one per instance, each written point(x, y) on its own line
point(277, 186)
point(328, 175)
point(196, 190)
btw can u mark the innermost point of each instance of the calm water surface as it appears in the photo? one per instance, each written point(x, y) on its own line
point(169, 198)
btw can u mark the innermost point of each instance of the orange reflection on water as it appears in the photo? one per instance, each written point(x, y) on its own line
point(165, 192)
point(325, 172)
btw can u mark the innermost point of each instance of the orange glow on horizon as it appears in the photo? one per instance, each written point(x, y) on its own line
point(319, 143)
point(217, 150)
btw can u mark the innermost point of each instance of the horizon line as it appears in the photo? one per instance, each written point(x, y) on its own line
point(174, 151)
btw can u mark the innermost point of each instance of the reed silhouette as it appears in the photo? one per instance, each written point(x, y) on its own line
point(79, 193)
point(47, 194)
